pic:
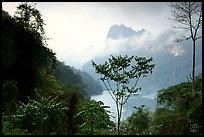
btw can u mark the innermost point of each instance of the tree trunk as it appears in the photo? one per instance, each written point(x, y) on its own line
point(193, 72)
point(118, 127)
point(119, 117)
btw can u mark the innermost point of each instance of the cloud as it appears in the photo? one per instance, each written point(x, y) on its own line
point(132, 44)
point(73, 27)
point(145, 42)
point(10, 7)
point(176, 51)
point(153, 16)
point(166, 42)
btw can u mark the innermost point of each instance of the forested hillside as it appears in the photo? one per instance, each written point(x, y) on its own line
point(69, 75)
point(35, 85)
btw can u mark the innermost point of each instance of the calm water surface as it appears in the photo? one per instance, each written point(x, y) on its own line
point(148, 100)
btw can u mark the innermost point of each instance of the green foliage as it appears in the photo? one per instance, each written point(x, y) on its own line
point(72, 98)
point(179, 97)
point(194, 118)
point(31, 19)
point(28, 15)
point(95, 117)
point(40, 115)
point(9, 129)
point(47, 85)
point(138, 122)
point(9, 96)
point(26, 67)
point(175, 97)
point(24, 54)
point(91, 86)
point(70, 76)
point(27, 72)
point(178, 111)
point(65, 74)
point(168, 122)
point(116, 68)
point(120, 70)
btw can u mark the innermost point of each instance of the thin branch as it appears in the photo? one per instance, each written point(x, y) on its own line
point(198, 25)
point(198, 37)
point(108, 90)
point(136, 83)
point(110, 86)
point(105, 85)
point(126, 98)
point(188, 78)
point(121, 102)
point(117, 90)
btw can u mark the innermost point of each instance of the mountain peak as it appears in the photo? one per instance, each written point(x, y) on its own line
point(122, 31)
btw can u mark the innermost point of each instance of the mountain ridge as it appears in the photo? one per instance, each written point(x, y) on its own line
point(122, 31)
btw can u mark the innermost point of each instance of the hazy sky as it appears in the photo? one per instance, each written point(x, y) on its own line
point(78, 30)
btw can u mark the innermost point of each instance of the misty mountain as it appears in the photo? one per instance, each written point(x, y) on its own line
point(121, 31)
point(173, 61)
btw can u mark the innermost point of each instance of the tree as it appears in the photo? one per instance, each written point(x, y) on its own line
point(189, 17)
point(138, 122)
point(25, 55)
point(31, 19)
point(72, 99)
point(178, 112)
point(119, 71)
point(95, 116)
point(41, 116)
point(28, 15)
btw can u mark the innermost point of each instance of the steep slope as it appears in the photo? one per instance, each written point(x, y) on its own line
point(69, 75)
point(121, 31)
point(92, 86)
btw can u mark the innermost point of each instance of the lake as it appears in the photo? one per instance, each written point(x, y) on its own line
point(142, 99)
